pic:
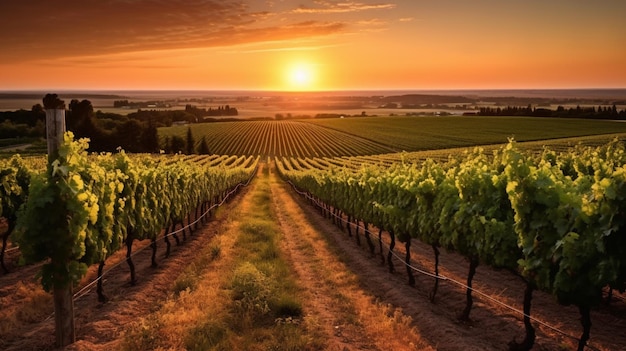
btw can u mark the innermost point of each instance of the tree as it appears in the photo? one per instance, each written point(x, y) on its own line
point(126, 136)
point(79, 116)
point(150, 138)
point(203, 148)
point(177, 144)
point(37, 108)
point(166, 145)
point(190, 142)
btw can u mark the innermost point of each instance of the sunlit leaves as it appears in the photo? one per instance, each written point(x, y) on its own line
point(87, 206)
point(559, 218)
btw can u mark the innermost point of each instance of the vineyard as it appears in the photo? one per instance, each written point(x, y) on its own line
point(552, 217)
point(556, 219)
point(112, 200)
point(430, 133)
point(96, 205)
point(270, 138)
point(379, 135)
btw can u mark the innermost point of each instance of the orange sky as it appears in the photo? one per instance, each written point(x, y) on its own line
point(312, 44)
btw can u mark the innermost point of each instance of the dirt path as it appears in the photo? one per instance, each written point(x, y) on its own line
point(350, 318)
point(15, 148)
point(435, 324)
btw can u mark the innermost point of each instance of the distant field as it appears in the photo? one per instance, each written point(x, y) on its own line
point(378, 135)
point(428, 133)
point(276, 138)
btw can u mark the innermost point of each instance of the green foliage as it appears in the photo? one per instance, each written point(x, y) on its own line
point(85, 207)
point(14, 183)
point(557, 218)
point(335, 137)
point(251, 290)
point(69, 207)
point(429, 133)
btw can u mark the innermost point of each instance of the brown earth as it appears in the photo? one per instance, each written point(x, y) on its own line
point(328, 263)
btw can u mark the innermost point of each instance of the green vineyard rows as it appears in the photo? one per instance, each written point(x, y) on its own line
point(83, 208)
point(272, 138)
point(555, 218)
point(379, 135)
point(430, 133)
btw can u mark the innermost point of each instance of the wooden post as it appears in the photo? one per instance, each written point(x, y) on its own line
point(55, 124)
point(64, 328)
point(63, 295)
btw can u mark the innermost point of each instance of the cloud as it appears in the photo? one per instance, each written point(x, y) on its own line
point(40, 29)
point(284, 49)
point(328, 7)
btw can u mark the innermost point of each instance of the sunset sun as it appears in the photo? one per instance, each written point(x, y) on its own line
point(301, 76)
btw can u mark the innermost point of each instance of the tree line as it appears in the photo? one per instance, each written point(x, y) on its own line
point(179, 145)
point(200, 113)
point(601, 112)
point(23, 123)
point(135, 132)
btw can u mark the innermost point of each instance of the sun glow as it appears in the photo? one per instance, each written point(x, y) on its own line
point(301, 76)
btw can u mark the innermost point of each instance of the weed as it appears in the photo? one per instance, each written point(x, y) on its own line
point(216, 251)
point(142, 336)
point(286, 307)
point(206, 336)
point(251, 290)
point(186, 281)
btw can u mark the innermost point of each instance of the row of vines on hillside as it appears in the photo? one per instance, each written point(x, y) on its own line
point(86, 207)
point(557, 219)
point(278, 138)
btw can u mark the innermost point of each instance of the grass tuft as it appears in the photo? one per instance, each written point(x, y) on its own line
point(208, 336)
point(286, 307)
point(143, 335)
point(216, 251)
point(251, 290)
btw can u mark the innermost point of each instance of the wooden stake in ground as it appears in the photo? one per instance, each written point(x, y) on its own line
point(63, 295)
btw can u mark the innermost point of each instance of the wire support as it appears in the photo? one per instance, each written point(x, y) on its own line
point(86, 289)
point(11, 249)
point(442, 277)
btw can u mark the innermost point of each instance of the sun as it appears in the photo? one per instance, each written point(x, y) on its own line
point(301, 76)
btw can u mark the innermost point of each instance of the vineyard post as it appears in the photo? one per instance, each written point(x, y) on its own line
point(63, 295)
point(55, 124)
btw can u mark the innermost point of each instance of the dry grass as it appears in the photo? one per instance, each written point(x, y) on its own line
point(237, 295)
point(389, 327)
point(187, 308)
point(385, 325)
point(242, 292)
point(358, 321)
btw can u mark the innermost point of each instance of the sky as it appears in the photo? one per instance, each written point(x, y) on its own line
point(301, 45)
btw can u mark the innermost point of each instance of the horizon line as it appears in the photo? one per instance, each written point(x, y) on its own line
point(301, 91)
